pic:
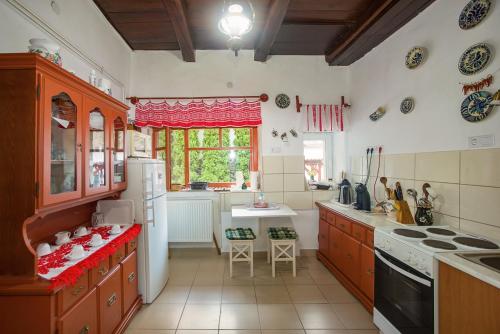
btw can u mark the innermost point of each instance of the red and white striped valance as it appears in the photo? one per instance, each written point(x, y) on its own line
point(198, 114)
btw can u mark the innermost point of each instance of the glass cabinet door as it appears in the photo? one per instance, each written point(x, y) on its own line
point(118, 152)
point(96, 168)
point(60, 143)
point(63, 145)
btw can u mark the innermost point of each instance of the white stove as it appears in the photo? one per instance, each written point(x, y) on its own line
point(406, 274)
point(416, 245)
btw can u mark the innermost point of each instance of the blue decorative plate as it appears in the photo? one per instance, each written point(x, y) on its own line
point(474, 59)
point(415, 57)
point(375, 116)
point(475, 106)
point(407, 105)
point(473, 13)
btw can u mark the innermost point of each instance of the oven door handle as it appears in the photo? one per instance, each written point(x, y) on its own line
point(403, 272)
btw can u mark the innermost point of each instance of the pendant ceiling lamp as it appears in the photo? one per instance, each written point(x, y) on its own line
point(237, 18)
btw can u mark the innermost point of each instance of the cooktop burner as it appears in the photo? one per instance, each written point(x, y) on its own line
point(440, 231)
point(475, 243)
point(409, 233)
point(439, 244)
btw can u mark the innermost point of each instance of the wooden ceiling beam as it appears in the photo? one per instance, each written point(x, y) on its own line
point(179, 20)
point(364, 24)
point(277, 12)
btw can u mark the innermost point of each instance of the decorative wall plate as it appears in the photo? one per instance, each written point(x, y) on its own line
point(282, 101)
point(415, 57)
point(474, 59)
point(375, 116)
point(407, 105)
point(473, 13)
point(475, 106)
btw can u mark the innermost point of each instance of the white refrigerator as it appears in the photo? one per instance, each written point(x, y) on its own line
point(147, 188)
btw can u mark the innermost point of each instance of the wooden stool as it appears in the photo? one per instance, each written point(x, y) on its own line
point(241, 244)
point(281, 247)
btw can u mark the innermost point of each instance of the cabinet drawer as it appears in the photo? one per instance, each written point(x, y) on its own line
point(82, 319)
point(369, 238)
point(322, 214)
point(110, 301)
point(71, 294)
point(131, 246)
point(129, 281)
point(343, 224)
point(118, 256)
point(100, 272)
point(358, 232)
point(330, 218)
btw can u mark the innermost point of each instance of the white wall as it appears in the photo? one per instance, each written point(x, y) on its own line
point(80, 23)
point(381, 79)
point(162, 73)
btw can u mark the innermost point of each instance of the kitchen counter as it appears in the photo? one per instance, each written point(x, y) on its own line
point(483, 273)
point(369, 219)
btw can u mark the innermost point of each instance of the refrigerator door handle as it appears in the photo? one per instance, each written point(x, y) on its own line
point(152, 208)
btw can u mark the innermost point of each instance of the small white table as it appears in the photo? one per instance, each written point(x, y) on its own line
point(243, 212)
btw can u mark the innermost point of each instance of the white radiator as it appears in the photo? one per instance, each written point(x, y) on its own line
point(190, 221)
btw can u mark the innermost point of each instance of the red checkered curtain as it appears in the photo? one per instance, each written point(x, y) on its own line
point(198, 114)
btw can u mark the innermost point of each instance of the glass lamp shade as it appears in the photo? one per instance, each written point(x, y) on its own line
point(236, 19)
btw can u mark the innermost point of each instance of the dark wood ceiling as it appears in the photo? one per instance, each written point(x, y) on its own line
point(341, 30)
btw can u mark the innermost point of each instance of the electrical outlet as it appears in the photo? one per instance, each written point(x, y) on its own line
point(481, 141)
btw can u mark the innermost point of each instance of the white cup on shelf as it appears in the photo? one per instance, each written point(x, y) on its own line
point(96, 240)
point(115, 229)
point(77, 252)
point(81, 231)
point(43, 249)
point(62, 237)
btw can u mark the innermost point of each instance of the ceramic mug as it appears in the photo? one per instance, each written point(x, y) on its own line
point(62, 237)
point(96, 240)
point(77, 252)
point(80, 231)
point(43, 249)
point(115, 229)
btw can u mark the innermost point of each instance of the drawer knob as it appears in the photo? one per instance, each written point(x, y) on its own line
point(76, 291)
point(112, 299)
point(119, 256)
point(103, 271)
point(132, 244)
point(131, 277)
point(370, 272)
point(85, 329)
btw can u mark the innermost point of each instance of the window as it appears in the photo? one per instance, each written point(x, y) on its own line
point(212, 154)
point(317, 157)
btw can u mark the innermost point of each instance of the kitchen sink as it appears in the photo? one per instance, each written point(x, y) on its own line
point(489, 260)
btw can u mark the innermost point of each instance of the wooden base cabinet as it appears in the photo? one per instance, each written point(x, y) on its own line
point(129, 280)
point(346, 248)
point(83, 318)
point(110, 301)
point(466, 304)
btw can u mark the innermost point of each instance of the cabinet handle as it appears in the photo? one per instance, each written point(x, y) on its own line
point(76, 291)
point(85, 329)
point(112, 299)
point(119, 257)
point(132, 244)
point(342, 225)
point(103, 271)
point(131, 277)
point(370, 272)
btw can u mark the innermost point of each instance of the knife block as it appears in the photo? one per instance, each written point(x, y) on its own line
point(403, 214)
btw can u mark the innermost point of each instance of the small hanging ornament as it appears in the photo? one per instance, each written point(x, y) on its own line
point(478, 85)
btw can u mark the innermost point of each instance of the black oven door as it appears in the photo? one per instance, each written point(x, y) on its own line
point(403, 295)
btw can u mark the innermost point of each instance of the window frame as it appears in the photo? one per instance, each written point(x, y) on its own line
point(253, 148)
point(327, 138)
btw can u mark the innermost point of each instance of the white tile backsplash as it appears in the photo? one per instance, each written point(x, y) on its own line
point(438, 166)
point(293, 164)
point(467, 184)
point(272, 164)
point(273, 182)
point(294, 182)
point(301, 200)
point(480, 167)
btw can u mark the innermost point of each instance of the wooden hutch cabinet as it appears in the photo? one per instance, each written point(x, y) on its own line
point(62, 149)
point(346, 249)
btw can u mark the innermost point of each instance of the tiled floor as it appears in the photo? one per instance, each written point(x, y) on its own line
point(201, 298)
